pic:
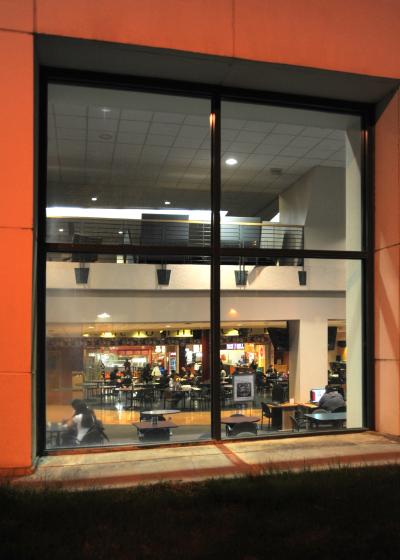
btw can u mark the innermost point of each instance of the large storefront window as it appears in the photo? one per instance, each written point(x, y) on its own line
point(291, 348)
point(127, 343)
point(191, 289)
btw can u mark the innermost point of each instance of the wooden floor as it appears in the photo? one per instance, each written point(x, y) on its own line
point(110, 416)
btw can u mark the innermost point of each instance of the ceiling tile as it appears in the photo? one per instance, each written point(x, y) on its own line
point(256, 126)
point(198, 120)
point(181, 142)
point(242, 147)
point(330, 144)
point(161, 128)
point(171, 118)
point(71, 133)
point(104, 112)
point(316, 132)
point(278, 139)
point(68, 109)
point(107, 125)
point(136, 115)
point(235, 124)
point(160, 140)
point(304, 142)
point(288, 129)
point(131, 138)
point(70, 122)
point(133, 126)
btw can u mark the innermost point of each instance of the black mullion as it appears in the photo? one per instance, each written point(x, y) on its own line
point(293, 253)
point(215, 123)
point(190, 89)
point(41, 268)
point(368, 330)
point(127, 249)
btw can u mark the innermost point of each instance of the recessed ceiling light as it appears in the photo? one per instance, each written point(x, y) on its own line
point(94, 198)
point(120, 232)
point(61, 230)
point(90, 327)
point(85, 334)
point(231, 161)
point(167, 202)
point(106, 110)
point(103, 315)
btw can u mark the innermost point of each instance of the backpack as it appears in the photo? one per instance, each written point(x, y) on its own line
point(95, 434)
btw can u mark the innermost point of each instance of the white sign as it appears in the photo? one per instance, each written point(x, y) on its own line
point(243, 388)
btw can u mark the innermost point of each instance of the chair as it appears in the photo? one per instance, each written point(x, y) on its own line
point(298, 422)
point(340, 409)
point(245, 428)
point(266, 413)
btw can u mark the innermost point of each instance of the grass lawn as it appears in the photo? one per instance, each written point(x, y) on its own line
point(334, 514)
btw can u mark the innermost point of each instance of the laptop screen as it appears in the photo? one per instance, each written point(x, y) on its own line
point(316, 394)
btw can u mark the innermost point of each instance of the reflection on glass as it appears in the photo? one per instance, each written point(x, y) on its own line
point(290, 178)
point(291, 352)
point(127, 357)
point(127, 167)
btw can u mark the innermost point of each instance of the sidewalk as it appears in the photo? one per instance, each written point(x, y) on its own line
point(144, 466)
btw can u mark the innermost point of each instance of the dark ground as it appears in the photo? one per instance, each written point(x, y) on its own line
point(333, 514)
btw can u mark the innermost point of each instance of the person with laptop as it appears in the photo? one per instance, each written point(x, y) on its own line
point(331, 399)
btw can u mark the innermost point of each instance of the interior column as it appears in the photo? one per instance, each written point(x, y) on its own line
point(308, 347)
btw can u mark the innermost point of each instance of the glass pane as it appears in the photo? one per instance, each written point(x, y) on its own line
point(127, 167)
point(290, 178)
point(291, 347)
point(128, 344)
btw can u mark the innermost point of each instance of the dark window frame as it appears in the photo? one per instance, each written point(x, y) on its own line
point(216, 95)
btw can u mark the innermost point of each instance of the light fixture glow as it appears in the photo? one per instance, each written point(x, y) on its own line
point(94, 198)
point(120, 232)
point(231, 161)
point(61, 230)
point(106, 110)
point(167, 203)
point(90, 327)
point(104, 316)
point(107, 334)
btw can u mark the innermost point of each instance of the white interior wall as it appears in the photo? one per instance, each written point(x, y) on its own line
point(324, 275)
point(156, 307)
point(353, 280)
point(317, 201)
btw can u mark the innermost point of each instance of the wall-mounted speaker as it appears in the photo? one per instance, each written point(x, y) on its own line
point(81, 275)
point(241, 277)
point(163, 276)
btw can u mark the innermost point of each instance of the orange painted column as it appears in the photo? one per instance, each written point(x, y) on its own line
point(387, 269)
point(16, 240)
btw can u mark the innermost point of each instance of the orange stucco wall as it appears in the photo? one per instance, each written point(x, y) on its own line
point(16, 220)
point(387, 269)
point(350, 35)
point(358, 36)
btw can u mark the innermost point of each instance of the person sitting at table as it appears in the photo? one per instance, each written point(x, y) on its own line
point(127, 379)
point(146, 373)
point(176, 390)
point(79, 424)
point(114, 375)
point(156, 372)
point(331, 399)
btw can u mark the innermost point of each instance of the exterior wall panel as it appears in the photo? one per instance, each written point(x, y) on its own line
point(359, 36)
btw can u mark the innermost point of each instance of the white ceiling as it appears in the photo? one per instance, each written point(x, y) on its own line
point(136, 150)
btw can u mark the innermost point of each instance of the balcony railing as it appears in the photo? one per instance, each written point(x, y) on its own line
point(174, 232)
